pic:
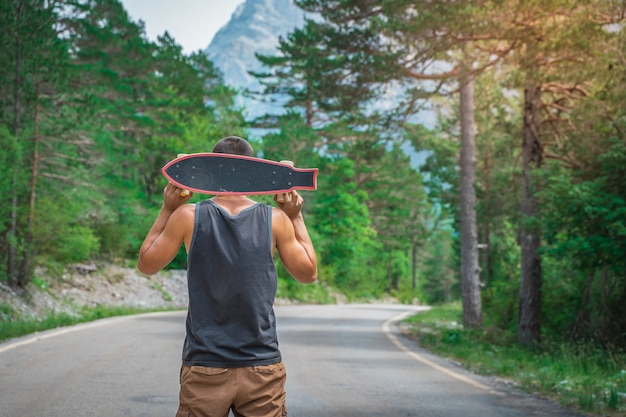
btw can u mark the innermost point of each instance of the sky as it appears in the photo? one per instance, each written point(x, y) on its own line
point(192, 23)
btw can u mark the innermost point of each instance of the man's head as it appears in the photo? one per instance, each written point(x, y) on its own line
point(234, 145)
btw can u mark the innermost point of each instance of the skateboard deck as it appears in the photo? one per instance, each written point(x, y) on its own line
point(218, 173)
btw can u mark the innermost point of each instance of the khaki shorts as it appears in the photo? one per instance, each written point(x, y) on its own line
point(255, 391)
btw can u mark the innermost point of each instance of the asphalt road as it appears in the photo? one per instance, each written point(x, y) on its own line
point(342, 361)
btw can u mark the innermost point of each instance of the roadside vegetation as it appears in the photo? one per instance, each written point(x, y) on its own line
point(14, 325)
point(577, 374)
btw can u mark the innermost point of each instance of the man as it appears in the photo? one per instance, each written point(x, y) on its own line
point(231, 359)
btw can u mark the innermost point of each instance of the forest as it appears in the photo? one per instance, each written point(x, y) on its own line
point(471, 151)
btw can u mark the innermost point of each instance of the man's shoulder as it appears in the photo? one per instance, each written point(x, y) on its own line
point(278, 214)
point(280, 221)
point(276, 211)
point(186, 210)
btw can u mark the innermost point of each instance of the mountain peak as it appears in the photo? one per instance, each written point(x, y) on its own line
point(254, 28)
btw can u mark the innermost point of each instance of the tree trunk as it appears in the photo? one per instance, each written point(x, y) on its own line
point(485, 254)
point(389, 277)
point(414, 266)
point(25, 268)
point(583, 316)
point(470, 279)
point(12, 270)
point(529, 324)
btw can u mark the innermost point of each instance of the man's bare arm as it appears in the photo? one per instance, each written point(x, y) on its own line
point(166, 235)
point(293, 242)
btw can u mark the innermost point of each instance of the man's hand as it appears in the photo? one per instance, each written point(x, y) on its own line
point(291, 205)
point(173, 197)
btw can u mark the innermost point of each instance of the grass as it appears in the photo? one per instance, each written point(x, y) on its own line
point(12, 326)
point(166, 296)
point(578, 375)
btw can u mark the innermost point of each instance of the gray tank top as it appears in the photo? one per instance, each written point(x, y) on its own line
point(232, 284)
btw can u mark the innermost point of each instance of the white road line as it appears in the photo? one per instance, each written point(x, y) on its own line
point(420, 358)
point(65, 330)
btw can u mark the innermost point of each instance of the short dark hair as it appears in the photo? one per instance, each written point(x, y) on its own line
point(234, 145)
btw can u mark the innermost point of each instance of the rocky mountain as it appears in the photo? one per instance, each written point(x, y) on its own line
point(254, 27)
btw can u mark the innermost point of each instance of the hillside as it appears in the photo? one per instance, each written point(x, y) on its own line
point(93, 285)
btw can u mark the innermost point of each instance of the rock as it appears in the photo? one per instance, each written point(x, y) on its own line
point(90, 285)
point(84, 269)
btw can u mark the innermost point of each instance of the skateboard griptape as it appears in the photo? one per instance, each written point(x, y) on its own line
point(216, 173)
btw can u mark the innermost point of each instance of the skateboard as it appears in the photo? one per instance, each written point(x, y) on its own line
point(218, 173)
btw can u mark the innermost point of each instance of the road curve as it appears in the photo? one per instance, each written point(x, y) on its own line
point(342, 361)
point(352, 361)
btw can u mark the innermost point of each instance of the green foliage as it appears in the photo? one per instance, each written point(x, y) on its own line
point(408, 295)
point(500, 297)
point(585, 224)
point(571, 126)
point(78, 241)
point(8, 158)
point(341, 217)
point(101, 111)
point(33, 65)
point(315, 293)
point(294, 140)
point(441, 276)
